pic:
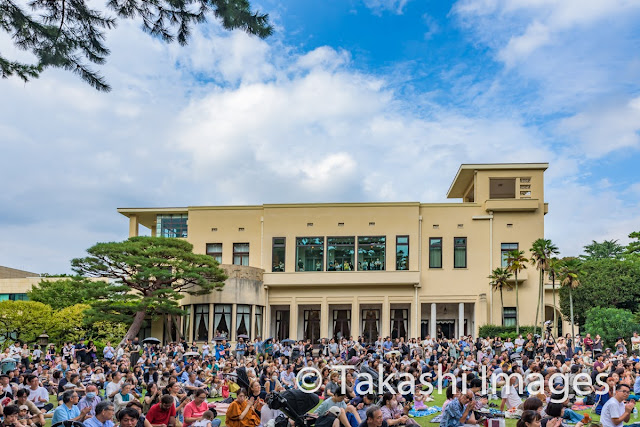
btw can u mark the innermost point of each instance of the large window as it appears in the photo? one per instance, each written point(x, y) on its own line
point(312, 325)
point(435, 252)
point(222, 320)
point(402, 252)
point(243, 319)
point(505, 248)
point(309, 254)
point(399, 322)
point(459, 252)
point(201, 322)
point(186, 322)
point(259, 315)
point(371, 253)
point(215, 250)
point(340, 253)
point(509, 316)
point(282, 324)
point(341, 324)
point(502, 188)
point(241, 253)
point(277, 254)
point(173, 225)
point(13, 297)
point(370, 324)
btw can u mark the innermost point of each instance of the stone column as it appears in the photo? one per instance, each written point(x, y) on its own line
point(133, 226)
point(211, 325)
point(293, 319)
point(432, 321)
point(234, 315)
point(481, 313)
point(324, 319)
point(460, 319)
point(355, 319)
point(385, 318)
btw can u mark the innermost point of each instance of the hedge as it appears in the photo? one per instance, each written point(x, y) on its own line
point(504, 332)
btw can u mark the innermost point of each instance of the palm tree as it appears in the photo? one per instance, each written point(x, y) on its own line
point(541, 251)
point(570, 277)
point(516, 262)
point(553, 268)
point(499, 281)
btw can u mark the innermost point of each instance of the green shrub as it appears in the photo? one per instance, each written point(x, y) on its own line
point(610, 323)
point(504, 332)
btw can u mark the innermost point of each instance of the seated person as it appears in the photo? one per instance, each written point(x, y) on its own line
point(242, 412)
point(163, 414)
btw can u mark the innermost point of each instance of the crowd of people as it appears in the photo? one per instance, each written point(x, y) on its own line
point(151, 385)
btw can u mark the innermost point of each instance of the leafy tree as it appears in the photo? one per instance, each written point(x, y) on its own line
point(605, 282)
point(499, 281)
point(542, 250)
point(23, 320)
point(66, 292)
point(610, 323)
point(569, 276)
point(633, 248)
point(606, 249)
point(151, 273)
point(68, 33)
point(68, 324)
point(516, 262)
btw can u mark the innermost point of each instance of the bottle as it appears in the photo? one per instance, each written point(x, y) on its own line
point(635, 413)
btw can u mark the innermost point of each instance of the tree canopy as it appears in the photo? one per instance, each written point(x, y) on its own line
point(602, 250)
point(67, 291)
point(610, 323)
point(69, 34)
point(150, 274)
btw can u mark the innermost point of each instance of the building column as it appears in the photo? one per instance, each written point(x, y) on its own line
point(385, 318)
point(234, 315)
point(133, 226)
point(211, 325)
point(252, 322)
point(460, 319)
point(293, 319)
point(324, 319)
point(481, 313)
point(355, 319)
point(432, 321)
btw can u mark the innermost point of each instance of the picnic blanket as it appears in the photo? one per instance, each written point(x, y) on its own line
point(436, 419)
point(221, 408)
point(425, 412)
point(581, 407)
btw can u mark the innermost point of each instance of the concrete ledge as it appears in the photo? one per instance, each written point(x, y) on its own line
point(342, 278)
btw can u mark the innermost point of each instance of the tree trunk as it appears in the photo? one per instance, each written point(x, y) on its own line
point(555, 320)
point(134, 329)
point(535, 325)
point(517, 307)
point(571, 312)
point(502, 304)
point(542, 311)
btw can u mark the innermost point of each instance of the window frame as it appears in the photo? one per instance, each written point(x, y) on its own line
point(353, 246)
point(228, 319)
point(456, 246)
point(242, 255)
point(298, 246)
point(408, 251)
point(383, 262)
point(259, 317)
point(214, 254)
point(205, 309)
point(181, 232)
point(275, 246)
point(503, 259)
point(512, 316)
point(239, 319)
point(431, 247)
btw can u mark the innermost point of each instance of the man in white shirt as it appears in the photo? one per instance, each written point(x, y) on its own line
point(509, 395)
point(615, 412)
point(38, 394)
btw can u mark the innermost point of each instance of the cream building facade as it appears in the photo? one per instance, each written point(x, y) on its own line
point(363, 269)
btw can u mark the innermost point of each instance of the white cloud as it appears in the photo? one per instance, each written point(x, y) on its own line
point(380, 6)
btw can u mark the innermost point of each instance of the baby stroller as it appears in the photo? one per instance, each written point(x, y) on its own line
point(294, 404)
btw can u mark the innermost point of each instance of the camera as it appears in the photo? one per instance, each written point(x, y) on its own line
point(547, 325)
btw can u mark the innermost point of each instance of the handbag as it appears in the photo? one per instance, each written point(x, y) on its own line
point(233, 387)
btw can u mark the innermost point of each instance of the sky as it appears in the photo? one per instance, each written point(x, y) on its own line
point(348, 101)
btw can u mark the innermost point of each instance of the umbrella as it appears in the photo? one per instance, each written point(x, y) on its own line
point(191, 354)
point(243, 336)
point(394, 353)
point(288, 341)
point(326, 339)
point(219, 338)
point(151, 340)
point(267, 340)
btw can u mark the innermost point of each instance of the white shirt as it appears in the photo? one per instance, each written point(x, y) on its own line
point(40, 392)
point(611, 409)
point(513, 400)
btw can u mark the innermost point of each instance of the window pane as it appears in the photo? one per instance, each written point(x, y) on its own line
point(174, 225)
point(460, 252)
point(370, 324)
point(243, 319)
point(402, 252)
point(509, 316)
point(505, 248)
point(340, 253)
point(222, 320)
point(309, 253)
point(241, 253)
point(435, 252)
point(259, 312)
point(201, 322)
point(371, 253)
point(215, 250)
point(277, 254)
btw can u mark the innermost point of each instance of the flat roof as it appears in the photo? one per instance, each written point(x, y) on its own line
point(466, 171)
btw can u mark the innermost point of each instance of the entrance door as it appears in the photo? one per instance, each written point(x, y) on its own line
point(282, 324)
point(370, 324)
point(341, 324)
point(445, 329)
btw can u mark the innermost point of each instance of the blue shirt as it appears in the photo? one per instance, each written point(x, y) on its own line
point(388, 345)
point(452, 414)
point(62, 413)
point(636, 386)
point(94, 422)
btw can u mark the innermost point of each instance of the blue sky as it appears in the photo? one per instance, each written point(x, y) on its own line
point(359, 100)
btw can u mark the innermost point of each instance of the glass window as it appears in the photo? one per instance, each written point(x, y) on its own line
point(505, 248)
point(277, 254)
point(371, 253)
point(402, 252)
point(222, 320)
point(509, 316)
point(341, 324)
point(340, 253)
point(435, 252)
point(215, 250)
point(282, 324)
point(312, 325)
point(241, 253)
point(186, 322)
point(201, 322)
point(399, 322)
point(16, 297)
point(243, 319)
point(370, 324)
point(460, 252)
point(309, 253)
point(172, 225)
point(259, 313)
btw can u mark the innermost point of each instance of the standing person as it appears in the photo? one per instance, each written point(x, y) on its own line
point(615, 412)
point(81, 351)
point(134, 352)
point(241, 347)
point(108, 352)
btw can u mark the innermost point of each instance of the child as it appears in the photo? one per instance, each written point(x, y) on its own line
point(207, 420)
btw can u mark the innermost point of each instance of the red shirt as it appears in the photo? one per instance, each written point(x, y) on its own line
point(157, 416)
point(193, 411)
